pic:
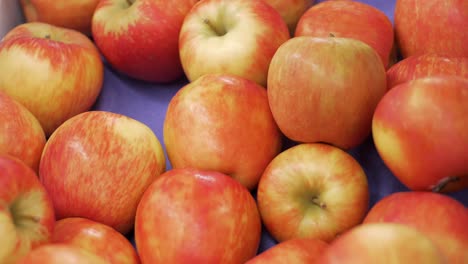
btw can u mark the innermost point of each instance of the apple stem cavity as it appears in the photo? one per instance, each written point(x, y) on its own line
point(220, 31)
point(130, 2)
point(443, 183)
point(318, 203)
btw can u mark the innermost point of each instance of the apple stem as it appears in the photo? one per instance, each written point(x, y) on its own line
point(47, 36)
point(443, 183)
point(331, 35)
point(317, 202)
point(217, 30)
point(130, 2)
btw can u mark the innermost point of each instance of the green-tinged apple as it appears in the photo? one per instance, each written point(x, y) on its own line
point(440, 217)
point(26, 211)
point(349, 19)
point(60, 254)
point(139, 38)
point(56, 73)
point(291, 11)
point(426, 65)
point(431, 26)
point(72, 14)
point(384, 243)
point(195, 216)
point(97, 165)
point(325, 89)
point(237, 37)
point(226, 123)
point(420, 132)
point(21, 134)
point(312, 191)
point(97, 238)
point(298, 250)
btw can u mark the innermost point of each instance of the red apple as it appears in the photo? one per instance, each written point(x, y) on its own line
point(21, 134)
point(195, 216)
point(97, 238)
point(382, 243)
point(325, 89)
point(426, 65)
point(349, 19)
point(72, 14)
point(56, 73)
point(440, 217)
point(431, 26)
point(419, 130)
point(60, 254)
point(222, 122)
point(291, 11)
point(139, 38)
point(98, 164)
point(312, 191)
point(299, 250)
point(237, 37)
point(26, 211)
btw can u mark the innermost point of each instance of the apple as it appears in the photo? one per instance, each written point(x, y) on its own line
point(418, 66)
point(26, 211)
point(325, 89)
point(56, 73)
point(298, 250)
point(419, 130)
point(21, 134)
point(430, 26)
point(442, 218)
point(97, 238)
point(97, 165)
point(222, 122)
point(349, 19)
point(139, 38)
point(312, 190)
point(60, 254)
point(74, 14)
point(195, 216)
point(382, 243)
point(237, 37)
point(291, 11)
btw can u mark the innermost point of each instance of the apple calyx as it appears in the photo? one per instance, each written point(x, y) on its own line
point(316, 201)
point(219, 31)
point(443, 183)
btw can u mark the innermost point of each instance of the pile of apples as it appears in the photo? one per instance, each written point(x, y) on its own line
point(277, 92)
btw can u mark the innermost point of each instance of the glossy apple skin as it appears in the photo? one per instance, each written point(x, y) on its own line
point(312, 191)
point(419, 130)
point(254, 31)
point(56, 73)
point(349, 19)
point(299, 250)
point(97, 166)
point(195, 216)
point(426, 65)
point(97, 238)
point(72, 14)
point(416, 33)
point(382, 243)
point(226, 123)
point(21, 134)
point(291, 11)
point(141, 39)
point(60, 254)
point(325, 89)
point(440, 217)
point(23, 198)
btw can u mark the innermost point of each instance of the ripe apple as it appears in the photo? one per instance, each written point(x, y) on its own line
point(237, 37)
point(21, 134)
point(349, 19)
point(418, 66)
point(72, 14)
point(431, 26)
point(139, 38)
point(440, 217)
point(60, 254)
point(97, 165)
point(312, 191)
point(382, 243)
point(325, 89)
point(298, 250)
point(222, 122)
point(195, 216)
point(291, 11)
point(97, 238)
point(419, 130)
point(56, 73)
point(26, 211)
